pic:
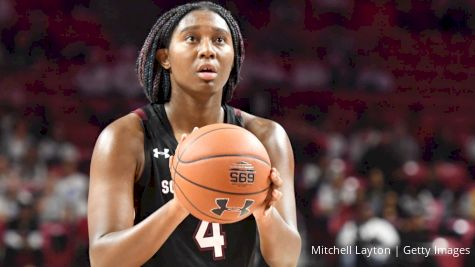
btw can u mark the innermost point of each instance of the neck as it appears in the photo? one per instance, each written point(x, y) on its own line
point(185, 114)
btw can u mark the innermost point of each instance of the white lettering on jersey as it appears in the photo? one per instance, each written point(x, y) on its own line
point(167, 187)
point(215, 242)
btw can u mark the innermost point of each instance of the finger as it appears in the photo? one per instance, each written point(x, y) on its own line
point(276, 195)
point(267, 211)
point(276, 179)
point(271, 204)
point(194, 129)
point(183, 136)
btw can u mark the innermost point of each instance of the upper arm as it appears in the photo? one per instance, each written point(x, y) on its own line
point(277, 144)
point(115, 164)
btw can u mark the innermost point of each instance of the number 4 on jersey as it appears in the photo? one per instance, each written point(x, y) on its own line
point(213, 238)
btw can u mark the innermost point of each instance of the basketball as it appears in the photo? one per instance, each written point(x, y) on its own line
point(221, 173)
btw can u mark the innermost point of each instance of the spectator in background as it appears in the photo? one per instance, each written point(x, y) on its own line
point(51, 204)
point(442, 146)
point(23, 240)
point(9, 187)
point(367, 231)
point(18, 142)
point(381, 156)
point(335, 189)
point(124, 78)
point(413, 202)
point(32, 169)
point(265, 68)
point(371, 78)
point(94, 79)
point(390, 208)
point(72, 188)
point(404, 144)
point(55, 147)
point(310, 75)
point(376, 191)
point(336, 145)
point(360, 140)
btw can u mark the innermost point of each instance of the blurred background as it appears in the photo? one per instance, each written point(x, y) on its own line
point(376, 96)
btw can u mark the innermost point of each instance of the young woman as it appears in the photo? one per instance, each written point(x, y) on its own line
point(189, 66)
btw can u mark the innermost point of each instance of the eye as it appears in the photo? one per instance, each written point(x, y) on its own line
point(190, 38)
point(220, 40)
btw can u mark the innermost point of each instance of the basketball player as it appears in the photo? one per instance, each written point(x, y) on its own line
point(189, 66)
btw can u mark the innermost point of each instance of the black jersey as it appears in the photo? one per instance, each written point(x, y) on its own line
point(194, 242)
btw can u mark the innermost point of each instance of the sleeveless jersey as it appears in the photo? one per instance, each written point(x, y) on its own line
point(194, 242)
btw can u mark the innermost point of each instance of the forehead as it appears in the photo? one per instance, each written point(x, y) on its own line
point(202, 18)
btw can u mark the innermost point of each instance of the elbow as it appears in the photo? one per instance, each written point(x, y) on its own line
point(298, 245)
point(295, 250)
point(94, 257)
point(292, 253)
point(103, 254)
point(98, 257)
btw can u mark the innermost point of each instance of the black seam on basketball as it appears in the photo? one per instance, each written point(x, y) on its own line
point(220, 191)
point(191, 203)
point(198, 137)
point(224, 155)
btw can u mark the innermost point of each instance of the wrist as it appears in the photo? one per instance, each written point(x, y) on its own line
point(264, 216)
point(178, 208)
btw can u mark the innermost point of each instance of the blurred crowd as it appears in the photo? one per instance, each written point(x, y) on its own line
point(43, 195)
point(375, 95)
point(410, 188)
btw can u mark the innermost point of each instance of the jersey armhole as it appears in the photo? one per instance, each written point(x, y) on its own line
point(144, 177)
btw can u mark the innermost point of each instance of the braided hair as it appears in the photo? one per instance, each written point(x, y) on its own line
point(155, 79)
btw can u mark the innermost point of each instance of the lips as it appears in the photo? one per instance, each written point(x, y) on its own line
point(207, 72)
point(207, 68)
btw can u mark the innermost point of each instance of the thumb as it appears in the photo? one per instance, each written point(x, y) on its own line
point(170, 162)
point(183, 136)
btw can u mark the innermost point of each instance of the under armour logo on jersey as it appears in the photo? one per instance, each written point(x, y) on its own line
point(164, 153)
point(223, 206)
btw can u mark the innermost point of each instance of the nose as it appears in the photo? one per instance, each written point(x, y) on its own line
point(206, 49)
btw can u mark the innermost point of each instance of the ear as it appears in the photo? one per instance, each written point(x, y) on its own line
point(162, 57)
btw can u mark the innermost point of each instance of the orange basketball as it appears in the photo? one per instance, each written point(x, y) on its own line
point(221, 173)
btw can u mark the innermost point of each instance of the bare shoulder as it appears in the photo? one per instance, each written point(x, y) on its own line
point(275, 139)
point(122, 138)
point(127, 128)
point(266, 130)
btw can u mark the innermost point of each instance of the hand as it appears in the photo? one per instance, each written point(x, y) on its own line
point(273, 195)
point(175, 202)
point(183, 137)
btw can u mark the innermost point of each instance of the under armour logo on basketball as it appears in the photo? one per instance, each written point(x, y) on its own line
point(223, 206)
point(164, 153)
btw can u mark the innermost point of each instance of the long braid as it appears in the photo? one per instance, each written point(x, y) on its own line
point(155, 79)
point(238, 46)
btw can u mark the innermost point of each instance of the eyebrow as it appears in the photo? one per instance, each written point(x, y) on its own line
point(195, 27)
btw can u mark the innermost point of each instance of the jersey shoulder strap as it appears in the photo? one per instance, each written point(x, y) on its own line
point(233, 115)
